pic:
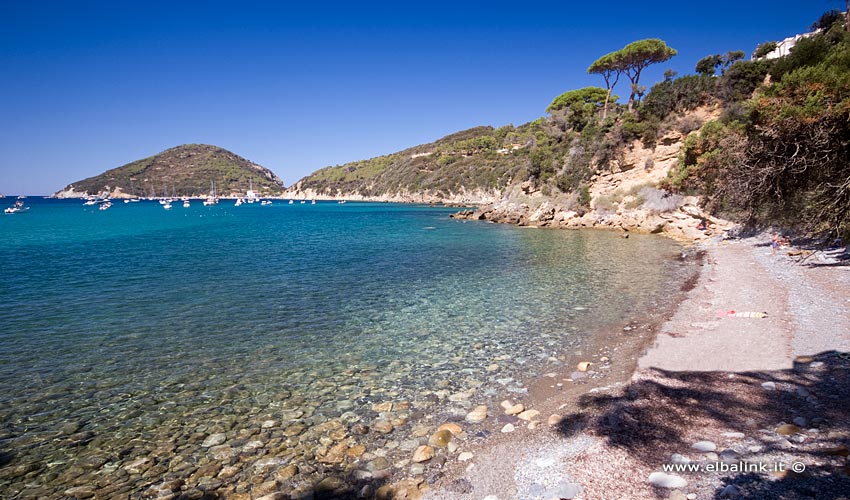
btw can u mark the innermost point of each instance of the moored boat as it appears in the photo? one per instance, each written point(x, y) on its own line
point(17, 208)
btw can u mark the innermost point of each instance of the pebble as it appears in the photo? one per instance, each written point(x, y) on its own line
point(554, 419)
point(704, 446)
point(478, 414)
point(515, 409)
point(214, 440)
point(729, 455)
point(423, 453)
point(441, 438)
point(730, 491)
point(508, 428)
point(417, 469)
point(528, 415)
point(679, 459)
point(564, 491)
point(664, 480)
point(769, 386)
point(382, 426)
point(463, 457)
point(452, 427)
point(800, 421)
point(787, 429)
point(734, 435)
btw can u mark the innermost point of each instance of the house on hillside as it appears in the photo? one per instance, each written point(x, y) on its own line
point(784, 47)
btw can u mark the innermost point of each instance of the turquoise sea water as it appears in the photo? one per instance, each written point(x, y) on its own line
point(128, 331)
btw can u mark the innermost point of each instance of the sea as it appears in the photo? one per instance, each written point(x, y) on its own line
point(223, 350)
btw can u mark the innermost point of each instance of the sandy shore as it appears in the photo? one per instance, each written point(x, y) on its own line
point(756, 396)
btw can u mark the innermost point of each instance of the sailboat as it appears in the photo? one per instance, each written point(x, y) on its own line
point(212, 199)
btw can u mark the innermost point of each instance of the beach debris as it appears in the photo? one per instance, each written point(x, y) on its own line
point(584, 366)
point(743, 314)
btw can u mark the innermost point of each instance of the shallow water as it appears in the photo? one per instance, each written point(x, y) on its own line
point(136, 333)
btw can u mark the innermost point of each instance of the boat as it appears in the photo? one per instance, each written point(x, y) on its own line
point(186, 203)
point(341, 202)
point(312, 202)
point(251, 196)
point(17, 208)
point(167, 205)
point(238, 202)
point(291, 202)
point(303, 201)
point(212, 199)
point(105, 205)
point(265, 202)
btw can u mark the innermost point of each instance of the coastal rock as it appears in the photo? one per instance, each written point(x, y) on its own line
point(478, 414)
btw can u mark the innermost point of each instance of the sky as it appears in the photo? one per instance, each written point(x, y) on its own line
point(87, 86)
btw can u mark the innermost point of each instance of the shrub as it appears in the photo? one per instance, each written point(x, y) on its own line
point(764, 49)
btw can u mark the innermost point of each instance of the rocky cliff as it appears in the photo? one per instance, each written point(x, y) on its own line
point(624, 198)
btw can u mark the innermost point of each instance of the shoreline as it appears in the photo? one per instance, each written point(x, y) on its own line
point(761, 390)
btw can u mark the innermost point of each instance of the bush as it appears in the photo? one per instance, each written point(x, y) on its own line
point(682, 94)
point(764, 49)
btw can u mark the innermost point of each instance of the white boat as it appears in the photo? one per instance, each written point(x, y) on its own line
point(212, 199)
point(186, 204)
point(312, 202)
point(265, 202)
point(167, 205)
point(105, 205)
point(291, 202)
point(17, 208)
point(238, 202)
point(303, 201)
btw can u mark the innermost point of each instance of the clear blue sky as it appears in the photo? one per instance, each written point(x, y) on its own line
point(87, 86)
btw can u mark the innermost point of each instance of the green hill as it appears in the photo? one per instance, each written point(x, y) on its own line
point(466, 160)
point(186, 170)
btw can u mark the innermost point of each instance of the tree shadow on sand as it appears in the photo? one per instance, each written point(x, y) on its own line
point(801, 414)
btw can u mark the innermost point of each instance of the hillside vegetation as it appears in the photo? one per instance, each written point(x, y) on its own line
point(776, 155)
point(186, 170)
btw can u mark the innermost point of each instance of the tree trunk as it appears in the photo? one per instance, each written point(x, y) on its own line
point(608, 96)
